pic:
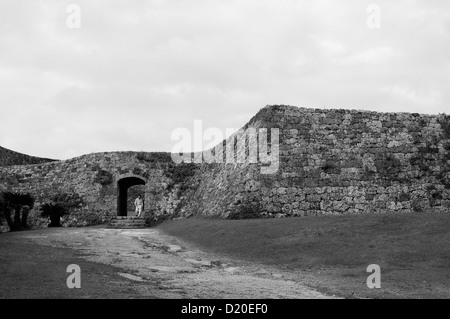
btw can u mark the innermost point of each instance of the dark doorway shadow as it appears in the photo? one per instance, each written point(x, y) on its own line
point(122, 188)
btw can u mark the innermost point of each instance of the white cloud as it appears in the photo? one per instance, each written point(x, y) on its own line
point(138, 69)
point(425, 99)
point(374, 55)
point(330, 47)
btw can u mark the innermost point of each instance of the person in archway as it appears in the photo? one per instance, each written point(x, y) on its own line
point(139, 203)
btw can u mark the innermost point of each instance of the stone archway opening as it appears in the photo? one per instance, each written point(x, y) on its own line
point(123, 186)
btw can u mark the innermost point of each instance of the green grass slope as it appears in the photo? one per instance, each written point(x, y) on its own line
point(331, 253)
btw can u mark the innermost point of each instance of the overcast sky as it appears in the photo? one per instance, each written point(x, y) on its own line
point(136, 70)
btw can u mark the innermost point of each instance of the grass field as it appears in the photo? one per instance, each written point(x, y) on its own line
point(29, 270)
point(331, 253)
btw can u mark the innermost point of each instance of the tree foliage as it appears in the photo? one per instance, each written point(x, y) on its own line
point(54, 211)
point(20, 204)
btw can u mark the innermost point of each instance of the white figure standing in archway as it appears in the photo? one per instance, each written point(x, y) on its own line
point(139, 203)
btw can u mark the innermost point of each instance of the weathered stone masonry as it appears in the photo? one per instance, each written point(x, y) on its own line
point(331, 162)
point(337, 162)
point(91, 182)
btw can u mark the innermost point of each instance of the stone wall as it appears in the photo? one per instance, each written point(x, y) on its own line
point(330, 162)
point(338, 162)
point(89, 184)
point(223, 189)
point(8, 157)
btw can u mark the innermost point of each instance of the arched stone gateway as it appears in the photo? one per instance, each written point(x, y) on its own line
point(123, 185)
point(328, 162)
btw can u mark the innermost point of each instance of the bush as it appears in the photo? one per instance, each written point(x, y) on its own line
point(20, 204)
point(55, 212)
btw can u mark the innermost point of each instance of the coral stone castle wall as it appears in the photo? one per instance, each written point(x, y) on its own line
point(329, 162)
point(337, 162)
point(89, 185)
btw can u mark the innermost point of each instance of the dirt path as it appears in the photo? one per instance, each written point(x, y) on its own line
point(158, 265)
